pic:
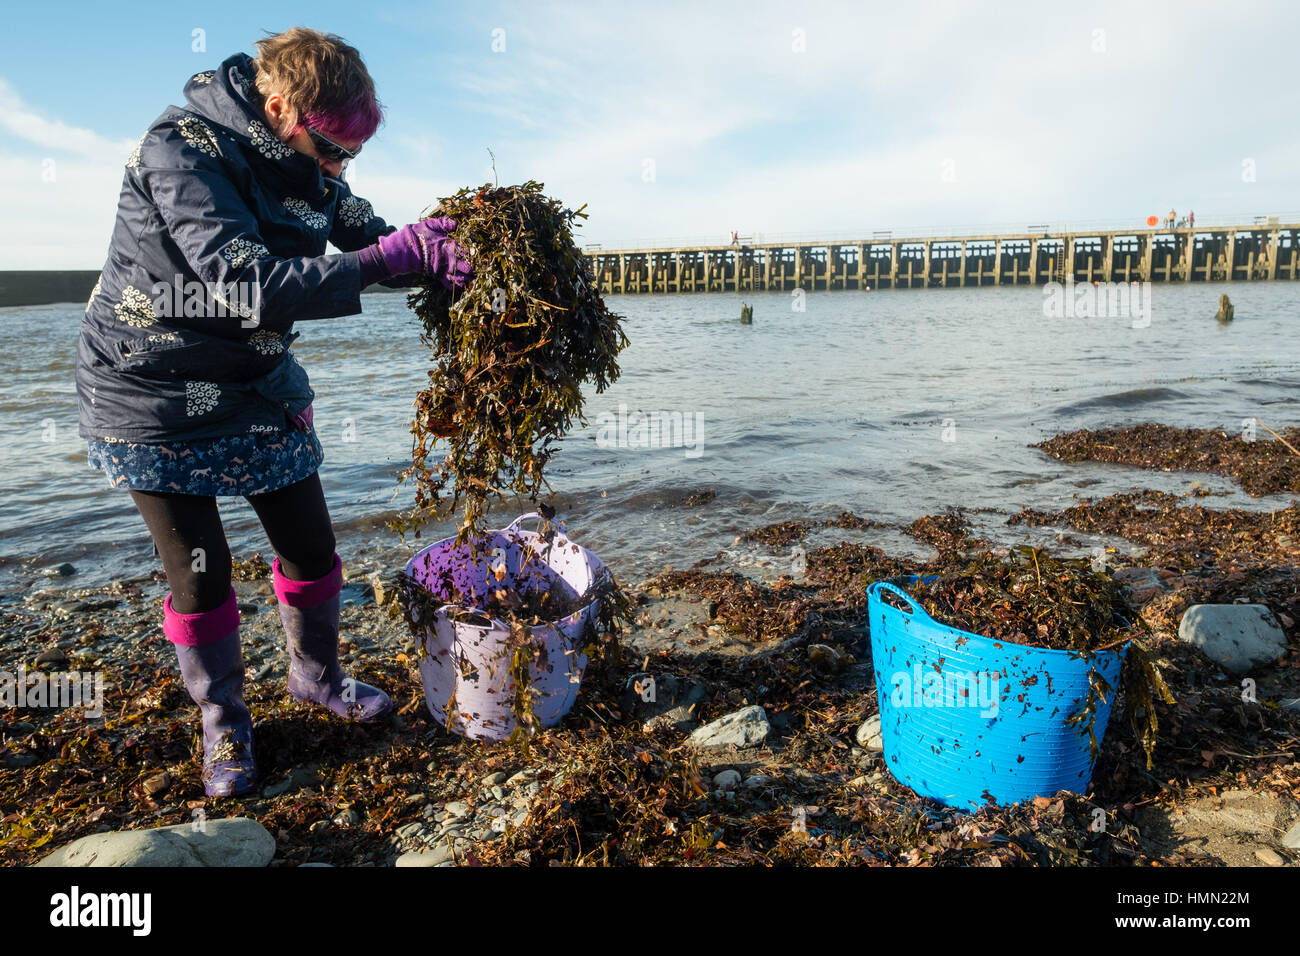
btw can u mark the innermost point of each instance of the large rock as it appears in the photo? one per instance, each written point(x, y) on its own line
point(231, 841)
point(744, 728)
point(1239, 637)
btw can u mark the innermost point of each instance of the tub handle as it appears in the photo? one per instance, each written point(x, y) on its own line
point(912, 606)
point(512, 528)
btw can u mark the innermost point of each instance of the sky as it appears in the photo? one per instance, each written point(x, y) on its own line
point(676, 123)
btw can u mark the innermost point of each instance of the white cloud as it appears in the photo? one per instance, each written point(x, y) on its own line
point(846, 138)
point(63, 224)
point(21, 121)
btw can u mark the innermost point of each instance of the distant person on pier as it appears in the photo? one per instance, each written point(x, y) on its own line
point(1173, 217)
point(735, 237)
point(1191, 219)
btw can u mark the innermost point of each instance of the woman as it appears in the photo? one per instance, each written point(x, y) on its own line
point(186, 385)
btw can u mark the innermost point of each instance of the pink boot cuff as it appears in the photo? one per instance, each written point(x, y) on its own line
point(307, 593)
point(203, 627)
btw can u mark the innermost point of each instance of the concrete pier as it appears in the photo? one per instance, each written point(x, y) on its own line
point(1268, 251)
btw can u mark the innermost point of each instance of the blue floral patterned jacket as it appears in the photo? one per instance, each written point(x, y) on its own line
point(218, 248)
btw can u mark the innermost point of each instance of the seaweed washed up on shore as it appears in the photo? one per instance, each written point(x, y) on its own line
point(637, 781)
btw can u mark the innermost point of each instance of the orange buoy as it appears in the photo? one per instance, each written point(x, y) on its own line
point(1153, 220)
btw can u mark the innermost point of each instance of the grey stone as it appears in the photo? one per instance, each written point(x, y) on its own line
point(1238, 637)
point(297, 778)
point(868, 735)
point(231, 841)
point(495, 778)
point(457, 809)
point(758, 780)
point(1291, 839)
point(435, 857)
point(727, 780)
point(1269, 857)
point(743, 728)
point(522, 777)
point(670, 704)
point(63, 570)
point(52, 657)
point(498, 793)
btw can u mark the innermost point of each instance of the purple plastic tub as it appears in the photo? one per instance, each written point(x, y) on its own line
point(465, 654)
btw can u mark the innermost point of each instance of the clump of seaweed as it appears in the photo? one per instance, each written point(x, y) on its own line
point(947, 533)
point(1029, 598)
point(1180, 536)
point(778, 535)
point(1260, 466)
point(512, 351)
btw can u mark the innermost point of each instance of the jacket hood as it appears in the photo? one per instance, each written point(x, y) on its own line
point(228, 97)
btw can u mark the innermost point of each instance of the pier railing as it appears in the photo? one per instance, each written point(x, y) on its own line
point(1266, 249)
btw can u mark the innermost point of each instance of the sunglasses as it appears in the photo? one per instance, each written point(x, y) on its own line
point(328, 149)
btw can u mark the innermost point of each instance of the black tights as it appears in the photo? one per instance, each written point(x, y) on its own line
point(296, 522)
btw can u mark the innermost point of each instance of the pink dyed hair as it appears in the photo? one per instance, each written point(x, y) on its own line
point(357, 123)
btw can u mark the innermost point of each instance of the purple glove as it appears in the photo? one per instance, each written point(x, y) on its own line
point(425, 247)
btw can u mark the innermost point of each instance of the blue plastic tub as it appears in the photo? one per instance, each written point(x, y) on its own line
point(964, 718)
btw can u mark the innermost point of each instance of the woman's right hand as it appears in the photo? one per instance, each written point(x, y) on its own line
point(426, 247)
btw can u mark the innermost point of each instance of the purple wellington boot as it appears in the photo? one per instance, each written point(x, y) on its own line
point(310, 613)
point(212, 666)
